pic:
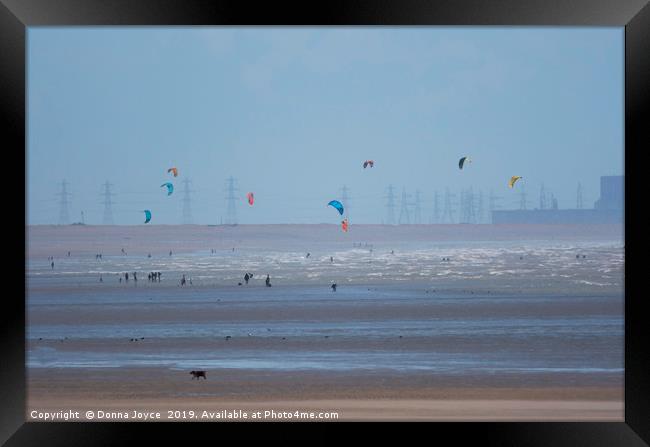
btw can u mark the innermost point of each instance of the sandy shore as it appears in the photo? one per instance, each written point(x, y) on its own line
point(353, 397)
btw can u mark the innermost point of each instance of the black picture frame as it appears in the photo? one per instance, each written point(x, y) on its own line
point(17, 15)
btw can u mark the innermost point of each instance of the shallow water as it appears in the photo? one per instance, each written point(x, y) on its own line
point(506, 264)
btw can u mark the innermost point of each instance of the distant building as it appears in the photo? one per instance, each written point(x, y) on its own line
point(609, 208)
point(612, 193)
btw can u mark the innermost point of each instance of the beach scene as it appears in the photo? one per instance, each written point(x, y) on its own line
point(230, 253)
point(406, 335)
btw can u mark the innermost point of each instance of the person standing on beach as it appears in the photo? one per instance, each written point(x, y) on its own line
point(268, 281)
point(170, 252)
point(135, 277)
point(68, 254)
point(126, 277)
point(52, 265)
point(334, 287)
point(183, 280)
point(246, 278)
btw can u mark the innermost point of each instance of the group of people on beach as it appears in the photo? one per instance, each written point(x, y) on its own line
point(151, 277)
point(126, 277)
point(249, 276)
point(97, 256)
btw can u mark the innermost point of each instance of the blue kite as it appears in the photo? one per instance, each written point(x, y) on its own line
point(338, 205)
point(170, 188)
point(147, 214)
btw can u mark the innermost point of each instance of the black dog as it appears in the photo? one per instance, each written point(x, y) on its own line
point(197, 374)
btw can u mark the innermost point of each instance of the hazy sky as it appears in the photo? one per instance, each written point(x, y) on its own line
point(293, 113)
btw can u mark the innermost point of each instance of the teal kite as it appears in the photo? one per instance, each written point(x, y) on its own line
point(147, 214)
point(338, 205)
point(170, 188)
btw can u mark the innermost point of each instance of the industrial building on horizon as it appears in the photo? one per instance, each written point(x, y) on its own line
point(609, 208)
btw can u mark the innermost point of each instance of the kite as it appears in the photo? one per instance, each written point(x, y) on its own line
point(147, 214)
point(251, 198)
point(338, 205)
point(462, 162)
point(170, 188)
point(173, 171)
point(344, 225)
point(513, 179)
point(368, 163)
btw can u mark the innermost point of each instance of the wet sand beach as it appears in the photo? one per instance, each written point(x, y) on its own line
point(513, 327)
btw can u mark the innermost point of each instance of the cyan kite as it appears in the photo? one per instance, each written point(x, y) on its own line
point(338, 205)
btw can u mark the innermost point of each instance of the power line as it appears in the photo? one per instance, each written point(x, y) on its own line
point(579, 198)
point(187, 202)
point(543, 198)
point(553, 201)
point(404, 210)
point(492, 203)
point(467, 206)
point(390, 206)
point(417, 214)
point(64, 217)
point(448, 210)
point(480, 217)
point(108, 210)
point(435, 217)
point(345, 199)
point(231, 203)
point(523, 202)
